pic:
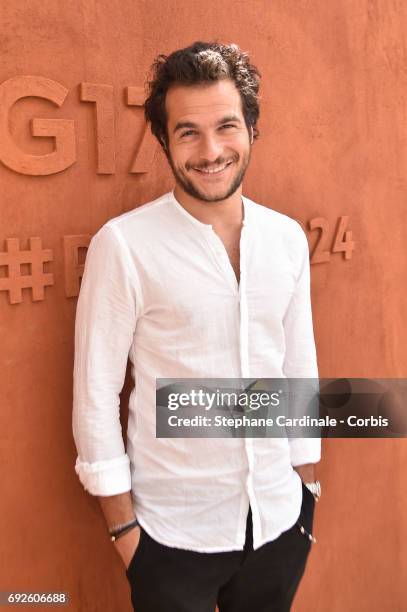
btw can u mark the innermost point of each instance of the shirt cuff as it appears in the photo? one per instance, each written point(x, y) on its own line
point(105, 478)
point(305, 450)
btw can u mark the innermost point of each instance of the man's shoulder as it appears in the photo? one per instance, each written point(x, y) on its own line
point(269, 219)
point(144, 214)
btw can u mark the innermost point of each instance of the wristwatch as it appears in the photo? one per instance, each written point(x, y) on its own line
point(315, 488)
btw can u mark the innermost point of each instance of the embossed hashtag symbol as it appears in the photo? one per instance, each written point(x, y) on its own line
point(15, 281)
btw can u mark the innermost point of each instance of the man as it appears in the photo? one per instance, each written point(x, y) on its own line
point(200, 283)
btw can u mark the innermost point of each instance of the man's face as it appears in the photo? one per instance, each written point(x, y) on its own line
point(209, 144)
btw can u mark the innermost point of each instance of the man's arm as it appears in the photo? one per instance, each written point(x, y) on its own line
point(105, 324)
point(118, 509)
point(306, 472)
point(300, 357)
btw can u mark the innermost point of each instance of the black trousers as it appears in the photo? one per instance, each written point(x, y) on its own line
point(165, 579)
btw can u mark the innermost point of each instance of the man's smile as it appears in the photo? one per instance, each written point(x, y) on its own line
point(213, 169)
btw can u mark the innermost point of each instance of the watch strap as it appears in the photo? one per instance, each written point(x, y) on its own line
point(315, 488)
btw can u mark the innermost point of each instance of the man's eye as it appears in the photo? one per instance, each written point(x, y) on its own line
point(228, 125)
point(187, 133)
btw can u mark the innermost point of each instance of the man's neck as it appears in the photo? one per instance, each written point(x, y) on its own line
point(224, 213)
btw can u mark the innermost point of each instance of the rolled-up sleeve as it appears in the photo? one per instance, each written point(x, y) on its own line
point(105, 324)
point(300, 356)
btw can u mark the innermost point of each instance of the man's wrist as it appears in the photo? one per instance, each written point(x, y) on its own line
point(118, 531)
point(306, 472)
point(127, 539)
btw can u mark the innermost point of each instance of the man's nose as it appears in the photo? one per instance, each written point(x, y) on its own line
point(210, 147)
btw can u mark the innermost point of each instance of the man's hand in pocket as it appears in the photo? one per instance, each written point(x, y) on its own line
point(127, 545)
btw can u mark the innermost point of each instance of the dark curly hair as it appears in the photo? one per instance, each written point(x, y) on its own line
point(199, 63)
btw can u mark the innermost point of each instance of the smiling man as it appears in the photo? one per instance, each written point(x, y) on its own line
point(210, 149)
point(200, 283)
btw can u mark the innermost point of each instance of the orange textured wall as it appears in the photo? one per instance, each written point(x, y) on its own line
point(333, 145)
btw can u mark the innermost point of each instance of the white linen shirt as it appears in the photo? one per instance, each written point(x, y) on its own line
point(158, 287)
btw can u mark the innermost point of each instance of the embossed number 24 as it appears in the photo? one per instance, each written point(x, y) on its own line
point(342, 242)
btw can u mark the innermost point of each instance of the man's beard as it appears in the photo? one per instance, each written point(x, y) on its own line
point(188, 186)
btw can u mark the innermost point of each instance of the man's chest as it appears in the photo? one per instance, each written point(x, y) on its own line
point(193, 283)
point(230, 239)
